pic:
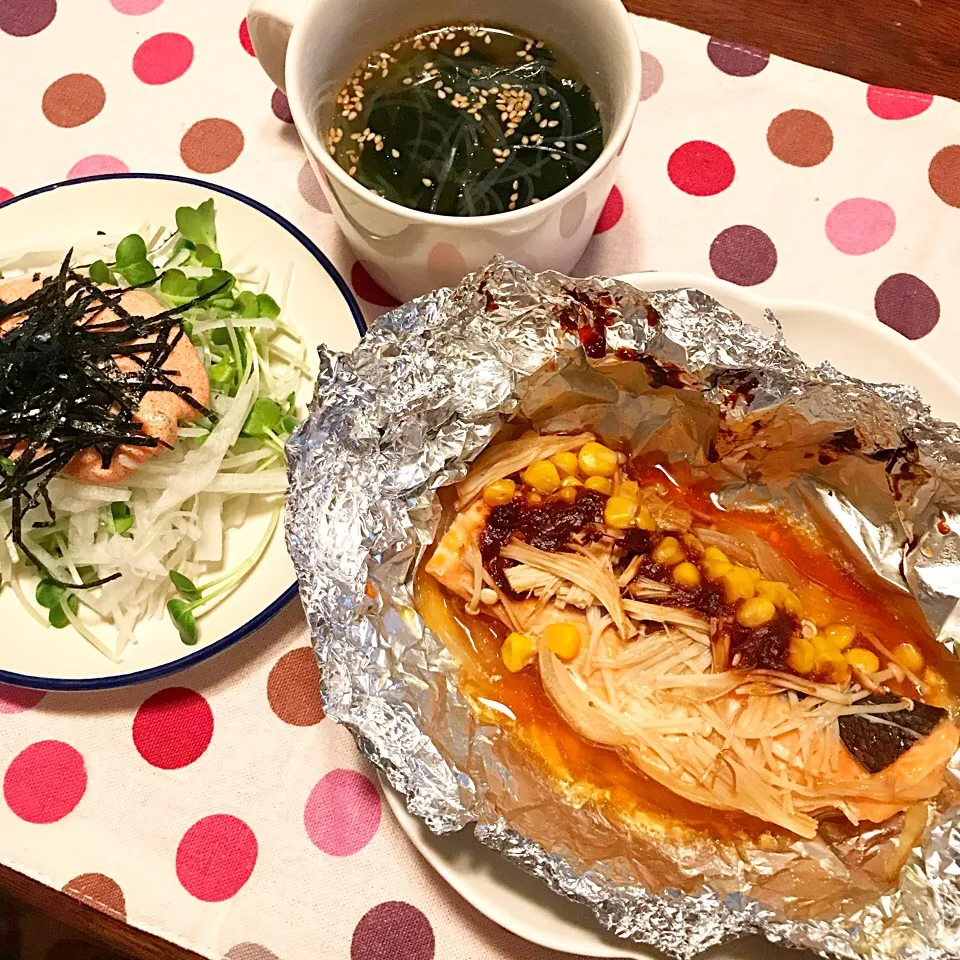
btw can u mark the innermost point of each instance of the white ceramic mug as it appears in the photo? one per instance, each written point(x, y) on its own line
point(309, 47)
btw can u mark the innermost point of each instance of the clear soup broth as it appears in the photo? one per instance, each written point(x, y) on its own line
point(464, 120)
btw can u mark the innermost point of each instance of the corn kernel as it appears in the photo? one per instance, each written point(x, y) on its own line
point(667, 552)
point(780, 595)
point(499, 492)
point(909, 657)
point(716, 569)
point(518, 651)
point(865, 660)
point(534, 499)
point(567, 463)
point(570, 482)
point(754, 574)
point(800, 656)
point(832, 668)
point(542, 476)
point(620, 512)
point(839, 634)
point(935, 679)
point(596, 460)
point(566, 495)
point(738, 584)
point(715, 553)
point(629, 489)
point(600, 484)
point(645, 519)
point(563, 639)
point(686, 575)
point(755, 612)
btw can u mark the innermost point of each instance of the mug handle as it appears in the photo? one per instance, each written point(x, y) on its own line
point(270, 23)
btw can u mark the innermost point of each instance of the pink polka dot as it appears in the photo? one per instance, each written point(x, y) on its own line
point(135, 8)
point(860, 225)
point(97, 163)
point(366, 287)
point(216, 857)
point(17, 699)
point(700, 168)
point(45, 781)
point(245, 40)
point(172, 728)
point(611, 213)
point(342, 812)
point(5, 194)
point(280, 106)
point(889, 103)
point(163, 58)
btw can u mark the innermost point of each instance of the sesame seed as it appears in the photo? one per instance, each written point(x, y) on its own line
point(553, 123)
point(441, 94)
point(543, 123)
point(581, 146)
point(438, 85)
point(514, 197)
point(561, 143)
point(554, 156)
point(408, 80)
point(379, 146)
point(516, 184)
point(427, 182)
point(535, 200)
point(428, 65)
point(486, 38)
point(555, 105)
point(542, 91)
point(503, 116)
point(352, 171)
point(395, 153)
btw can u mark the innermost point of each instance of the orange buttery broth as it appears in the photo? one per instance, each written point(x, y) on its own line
point(476, 640)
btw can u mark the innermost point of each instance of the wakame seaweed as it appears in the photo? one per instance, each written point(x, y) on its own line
point(62, 391)
point(464, 120)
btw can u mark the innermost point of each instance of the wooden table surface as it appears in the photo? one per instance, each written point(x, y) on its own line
point(912, 44)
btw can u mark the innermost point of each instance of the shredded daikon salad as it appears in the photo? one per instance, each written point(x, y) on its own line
point(163, 529)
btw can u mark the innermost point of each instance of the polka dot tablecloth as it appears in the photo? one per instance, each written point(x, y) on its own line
point(219, 809)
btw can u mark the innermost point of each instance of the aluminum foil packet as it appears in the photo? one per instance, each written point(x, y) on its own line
point(407, 411)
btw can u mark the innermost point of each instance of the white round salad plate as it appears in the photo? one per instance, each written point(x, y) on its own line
point(318, 302)
point(523, 904)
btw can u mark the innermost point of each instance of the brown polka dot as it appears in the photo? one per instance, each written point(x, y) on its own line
point(250, 951)
point(651, 75)
point(905, 303)
point(211, 145)
point(72, 100)
point(744, 255)
point(310, 189)
point(80, 950)
point(99, 891)
point(293, 688)
point(801, 138)
point(944, 175)
point(393, 931)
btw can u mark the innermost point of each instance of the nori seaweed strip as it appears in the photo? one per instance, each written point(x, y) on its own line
point(61, 390)
point(875, 744)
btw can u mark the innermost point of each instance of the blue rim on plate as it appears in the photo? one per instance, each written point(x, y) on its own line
point(272, 609)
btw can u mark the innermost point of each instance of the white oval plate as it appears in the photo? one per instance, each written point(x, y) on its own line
point(523, 904)
point(319, 304)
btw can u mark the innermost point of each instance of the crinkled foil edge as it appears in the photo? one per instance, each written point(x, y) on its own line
point(405, 413)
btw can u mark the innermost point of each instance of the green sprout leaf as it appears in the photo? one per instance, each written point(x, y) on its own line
point(265, 415)
point(289, 423)
point(185, 586)
point(131, 250)
point(207, 257)
point(49, 593)
point(198, 225)
point(221, 280)
point(121, 519)
point(269, 307)
point(7, 465)
point(58, 617)
point(101, 273)
point(246, 304)
point(175, 283)
point(184, 620)
point(222, 372)
point(137, 273)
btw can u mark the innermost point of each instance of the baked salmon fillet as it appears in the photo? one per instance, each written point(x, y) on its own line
point(705, 660)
